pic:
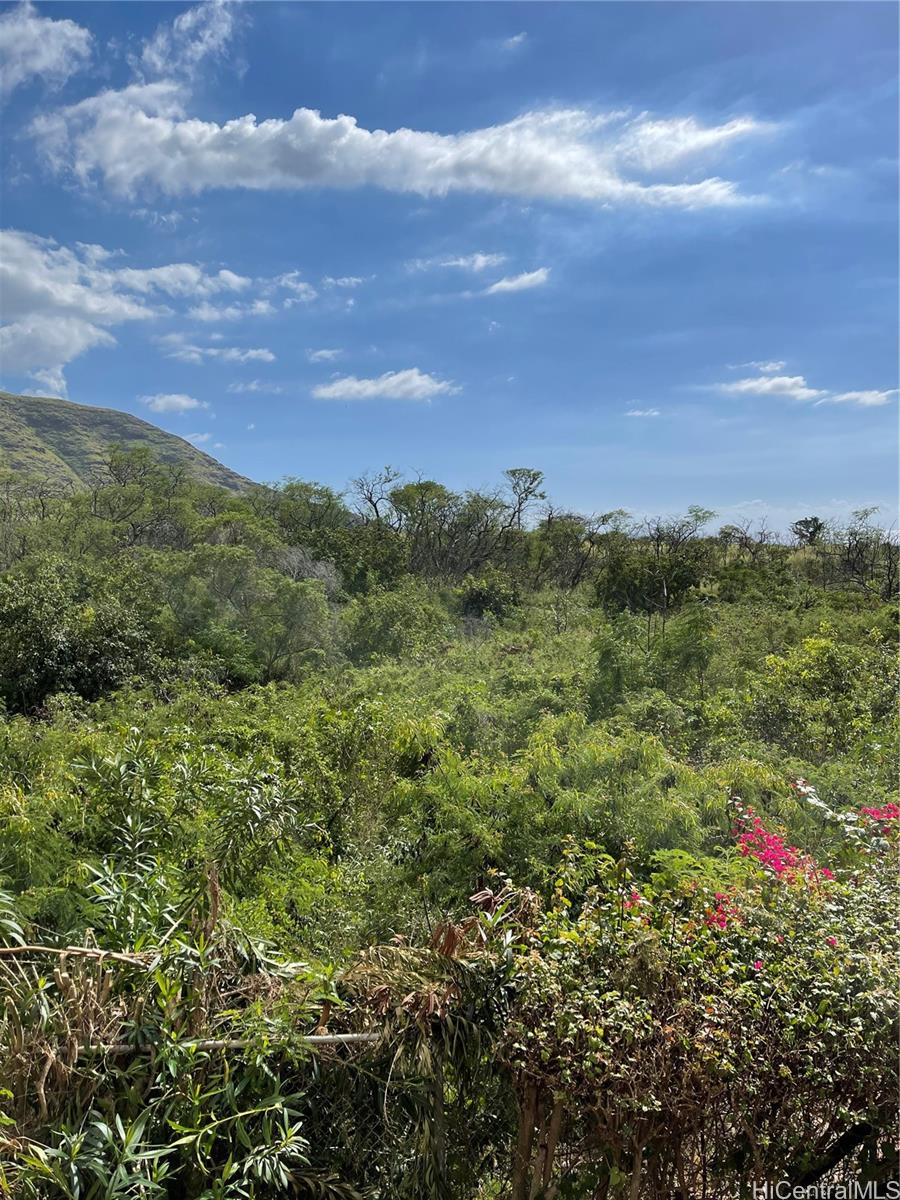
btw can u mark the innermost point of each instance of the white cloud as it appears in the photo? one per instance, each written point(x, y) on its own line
point(32, 47)
point(411, 384)
point(316, 356)
point(180, 279)
point(476, 262)
point(343, 281)
point(143, 136)
point(256, 385)
point(176, 346)
point(795, 387)
point(653, 145)
point(642, 412)
point(515, 42)
point(519, 283)
point(159, 220)
point(198, 438)
point(301, 291)
point(230, 312)
point(172, 402)
point(59, 301)
point(792, 387)
point(767, 368)
point(41, 346)
point(864, 399)
point(197, 34)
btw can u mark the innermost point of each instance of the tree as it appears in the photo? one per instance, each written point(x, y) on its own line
point(808, 531)
point(64, 628)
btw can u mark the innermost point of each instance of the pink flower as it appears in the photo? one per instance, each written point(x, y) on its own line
point(831, 941)
point(769, 850)
point(890, 812)
point(758, 965)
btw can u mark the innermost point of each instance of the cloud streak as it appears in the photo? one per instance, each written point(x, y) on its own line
point(864, 399)
point(795, 387)
point(791, 387)
point(143, 136)
point(411, 384)
point(176, 346)
point(519, 283)
point(173, 402)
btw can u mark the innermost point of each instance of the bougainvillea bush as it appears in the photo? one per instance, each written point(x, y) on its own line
point(685, 1037)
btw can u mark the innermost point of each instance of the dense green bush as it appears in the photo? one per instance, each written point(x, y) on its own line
point(68, 628)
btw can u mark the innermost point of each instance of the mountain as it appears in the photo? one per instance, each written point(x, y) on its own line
point(56, 439)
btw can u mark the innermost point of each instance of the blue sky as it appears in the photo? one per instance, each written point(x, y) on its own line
point(648, 248)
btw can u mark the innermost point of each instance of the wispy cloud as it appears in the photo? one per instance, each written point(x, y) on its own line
point(516, 42)
point(864, 399)
point(176, 346)
point(796, 387)
point(477, 262)
point(198, 438)
point(196, 36)
point(319, 356)
point(36, 47)
point(767, 368)
point(519, 283)
point(255, 385)
point(652, 145)
point(301, 292)
point(411, 384)
point(343, 281)
point(642, 412)
point(210, 313)
point(173, 402)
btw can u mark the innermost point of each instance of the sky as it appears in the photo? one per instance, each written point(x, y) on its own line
point(650, 249)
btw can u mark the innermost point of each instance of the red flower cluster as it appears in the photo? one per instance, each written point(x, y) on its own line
point(634, 899)
point(786, 862)
point(726, 910)
point(890, 812)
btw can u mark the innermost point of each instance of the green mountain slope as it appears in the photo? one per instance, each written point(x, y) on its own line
point(59, 440)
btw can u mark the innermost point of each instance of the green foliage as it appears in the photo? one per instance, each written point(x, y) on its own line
point(245, 730)
point(493, 592)
point(405, 621)
point(69, 629)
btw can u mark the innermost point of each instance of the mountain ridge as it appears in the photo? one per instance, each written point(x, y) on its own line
point(67, 441)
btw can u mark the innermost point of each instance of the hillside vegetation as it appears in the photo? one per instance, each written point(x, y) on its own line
point(64, 443)
point(585, 828)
